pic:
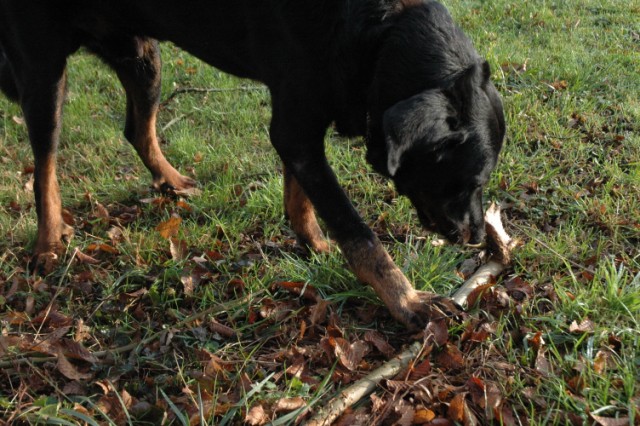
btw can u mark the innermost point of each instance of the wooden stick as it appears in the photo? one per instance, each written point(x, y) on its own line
point(500, 245)
point(363, 387)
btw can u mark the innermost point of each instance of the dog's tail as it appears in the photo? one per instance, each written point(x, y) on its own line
point(7, 80)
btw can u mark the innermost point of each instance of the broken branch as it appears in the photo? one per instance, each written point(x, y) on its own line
point(500, 245)
point(363, 387)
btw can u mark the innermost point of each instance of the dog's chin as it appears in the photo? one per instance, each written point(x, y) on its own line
point(453, 235)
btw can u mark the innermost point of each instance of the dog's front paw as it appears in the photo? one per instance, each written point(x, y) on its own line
point(422, 307)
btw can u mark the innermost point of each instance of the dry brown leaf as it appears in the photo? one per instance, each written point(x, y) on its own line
point(298, 288)
point(188, 284)
point(457, 407)
point(101, 212)
point(586, 326)
point(179, 249)
point(542, 365)
point(349, 355)
point(423, 416)
point(53, 319)
point(69, 370)
point(437, 332)
point(406, 413)
point(379, 342)
point(85, 258)
point(115, 234)
point(603, 361)
point(15, 318)
point(609, 421)
point(287, 405)
point(7, 343)
point(256, 416)
point(169, 228)
point(450, 358)
point(222, 329)
point(421, 370)
point(75, 388)
point(187, 192)
point(105, 248)
point(318, 312)
point(75, 350)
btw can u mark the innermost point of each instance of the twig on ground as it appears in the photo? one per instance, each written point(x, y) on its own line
point(363, 387)
point(500, 245)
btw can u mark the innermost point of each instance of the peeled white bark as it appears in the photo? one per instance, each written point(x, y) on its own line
point(500, 245)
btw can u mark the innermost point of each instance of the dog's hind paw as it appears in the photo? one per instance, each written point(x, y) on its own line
point(169, 180)
point(44, 263)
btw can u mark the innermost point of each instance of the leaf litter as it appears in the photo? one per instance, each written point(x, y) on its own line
point(264, 357)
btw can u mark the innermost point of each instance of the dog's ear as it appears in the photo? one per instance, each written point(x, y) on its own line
point(426, 121)
point(400, 5)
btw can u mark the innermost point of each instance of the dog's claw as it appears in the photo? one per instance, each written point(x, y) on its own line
point(430, 306)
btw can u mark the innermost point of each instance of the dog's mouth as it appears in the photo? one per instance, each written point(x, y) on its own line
point(453, 234)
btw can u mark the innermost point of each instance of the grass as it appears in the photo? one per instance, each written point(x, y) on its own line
point(569, 180)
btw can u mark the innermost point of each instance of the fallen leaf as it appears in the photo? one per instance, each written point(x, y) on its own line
point(256, 416)
point(586, 326)
point(105, 248)
point(101, 213)
point(69, 370)
point(179, 250)
point(405, 412)
point(75, 350)
point(222, 329)
point(423, 416)
point(437, 332)
point(349, 355)
point(318, 312)
point(457, 407)
point(603, 361)
point(169, 228)
point(288, 404)
point(379, 342)
point(609, 421)
point(298, 288)
point(421, 370)
point(450, 358)
point(542, 364)
point(85, 258)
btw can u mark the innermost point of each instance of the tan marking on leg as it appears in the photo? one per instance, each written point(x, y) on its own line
point(50, 222)
point(302, 216)
point(373, 265)
point(146, 144)
point(51, 227)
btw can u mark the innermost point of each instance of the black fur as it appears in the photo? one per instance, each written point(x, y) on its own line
point(399, 72)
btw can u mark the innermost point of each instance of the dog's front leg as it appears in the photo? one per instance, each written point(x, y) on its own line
point(297, 133)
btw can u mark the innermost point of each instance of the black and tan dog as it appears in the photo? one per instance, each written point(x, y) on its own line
point(399, 72)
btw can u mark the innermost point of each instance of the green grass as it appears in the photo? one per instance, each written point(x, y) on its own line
point(569, 180)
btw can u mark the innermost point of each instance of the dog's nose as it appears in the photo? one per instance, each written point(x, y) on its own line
point(473, 235)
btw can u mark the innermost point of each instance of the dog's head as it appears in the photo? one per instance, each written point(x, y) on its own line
point(437, 121)
point(441, 146)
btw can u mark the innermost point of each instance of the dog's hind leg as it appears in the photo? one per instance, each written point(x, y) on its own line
point(40, 80)
point(300, 213)
point(137, 63)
